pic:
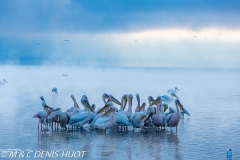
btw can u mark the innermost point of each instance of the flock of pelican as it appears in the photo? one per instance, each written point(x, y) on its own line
point(110, 116)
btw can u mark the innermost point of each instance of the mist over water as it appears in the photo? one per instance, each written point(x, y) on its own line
point(211, 96)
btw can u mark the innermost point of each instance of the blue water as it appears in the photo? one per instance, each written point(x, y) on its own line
point(211, 96)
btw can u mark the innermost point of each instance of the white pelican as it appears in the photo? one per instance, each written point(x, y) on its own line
point(54, 90)
point(45, 106)
point(148, 120)
point(138, 103)
point(128, 113)
point(137, 119)
point(123, 103)
point(63, 118)
point(3, 82)
point(41, 115)
point(75, 108)
point(84, 117)
point(65, 75)
point(105, 121)
point(173, 90)
point(173, 118)
point(167, 98)
point(120, 117)
point(159, 119)
point(49, 110)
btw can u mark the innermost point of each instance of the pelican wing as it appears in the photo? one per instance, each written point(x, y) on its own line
point(166, 98)
point(169, 117)
point(121, 118)
point(78, 117)
point(186, 111)
point(102, 120)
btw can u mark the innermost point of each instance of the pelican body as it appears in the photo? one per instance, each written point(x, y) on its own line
point(173, 118)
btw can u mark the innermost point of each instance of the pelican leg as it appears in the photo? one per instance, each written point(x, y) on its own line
point(176, 129)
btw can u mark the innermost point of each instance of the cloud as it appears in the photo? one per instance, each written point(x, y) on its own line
point(33, 16)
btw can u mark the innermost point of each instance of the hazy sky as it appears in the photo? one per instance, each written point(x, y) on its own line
point(146, 33)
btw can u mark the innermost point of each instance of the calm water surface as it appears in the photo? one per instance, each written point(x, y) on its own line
point(211, 96)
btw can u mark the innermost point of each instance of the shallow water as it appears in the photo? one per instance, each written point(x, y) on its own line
point(212, 97)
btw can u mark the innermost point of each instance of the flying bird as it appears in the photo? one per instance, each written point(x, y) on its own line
point(66, 40)
point(38, 43)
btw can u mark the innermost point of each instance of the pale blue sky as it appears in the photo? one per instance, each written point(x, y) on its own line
point(146, 33)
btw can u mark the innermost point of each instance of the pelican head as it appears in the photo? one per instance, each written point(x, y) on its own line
point(42, 98)
point(174, 95)
point(142, 108)
point(105, 107)
point(130, 97)
point(165, 107)
point(72, 96)
point(5, 81)
point(158, 100)
point(150, 99)
point(177, 102)
point(85, 103)
point(113, 99)
point(176, 88)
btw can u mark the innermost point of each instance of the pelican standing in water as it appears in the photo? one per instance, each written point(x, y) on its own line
point(75, 108)
point(159, 119)
point(3, 82)
point(54, 90)
point(63, 118)
point(128, 113)
point(105, 121)
point(173, 118)
point(82, 118)
point(41, 115)
point(173, 90)
point(49, 110)
point(104, 109)
point(137, 119)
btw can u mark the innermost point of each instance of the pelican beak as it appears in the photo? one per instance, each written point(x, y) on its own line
point(85, 103)
point(93, 107)
point(36, 116)
point(150, 99)
point(158, 100)
point(143, 106)
point(124, 101)
point(130, 97)
point(177, 102)
point(114, 100)
point(174, 95)
point(108, 112)
point(145, 115)
point(138, 98)
point(105, 96)
point(176, 88)
point(104, 108)
point(5, 81)
point(165, 107)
